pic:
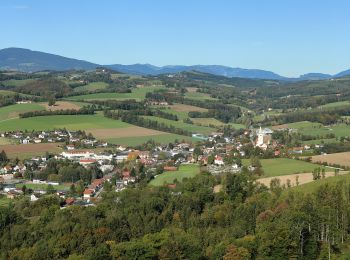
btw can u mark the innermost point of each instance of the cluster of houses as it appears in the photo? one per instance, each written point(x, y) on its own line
point(74, 139)
point(212, 153)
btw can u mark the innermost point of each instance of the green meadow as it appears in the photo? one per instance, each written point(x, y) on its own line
point(184, 171)
point(283, 166)
point(92, 86)
point(198, 96)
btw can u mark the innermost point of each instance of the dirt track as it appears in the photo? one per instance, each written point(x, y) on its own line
point(342, 159)
point(132, 131)
point(303, 178)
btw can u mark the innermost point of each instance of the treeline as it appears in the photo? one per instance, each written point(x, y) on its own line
point(88, 110)
point(243, 220)
point(131, 117)
point(131, 104)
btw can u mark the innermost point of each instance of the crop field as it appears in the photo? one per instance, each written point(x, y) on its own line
point(283, 166)
point(29, 150)
point(13, 111)
point(60, 105)
point(71, 122)
point(342, 159)
point(184, 171)
point(303, 178)
point(182, 125)
point(187, 108)
point(164, 138)
point(137, 94)
point(198, 96)
point(92, 86)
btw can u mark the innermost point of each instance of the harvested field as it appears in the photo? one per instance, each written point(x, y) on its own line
point(303, 178)
point(342, 159)
point(133, 131)
point(187, 108)
point(191, 89)
point(59, 105)
point(28, 150)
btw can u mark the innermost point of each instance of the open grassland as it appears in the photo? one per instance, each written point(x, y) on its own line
point(13, 111)
point(342, 159)
point(198, 96)
point(137, 94)
point(214, 122)
point(320, 141)
point(302, 178)
point(4, 141)
point(283, 166)
point(182, 125)
point(92, 86)
point(184, 171)
point(4, 201)
point(23, 151)
point(60, 105)
point(70, 122)
point(164, 138)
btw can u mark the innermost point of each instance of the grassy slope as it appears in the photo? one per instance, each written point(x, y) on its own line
point(198, 96)
point(12, 111)
point(283, 166)
point(92, 86)
point(185, 171)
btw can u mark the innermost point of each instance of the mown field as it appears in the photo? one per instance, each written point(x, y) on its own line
point(198, 96)
point(137, 94)
point(24, 151)
point(184, 171)
point(42, 186)
point(283, 166)
point(342, 159)
point(336, 104)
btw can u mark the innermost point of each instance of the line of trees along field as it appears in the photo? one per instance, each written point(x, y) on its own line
point(131, 117)
point(88, 110)
point(243, 221)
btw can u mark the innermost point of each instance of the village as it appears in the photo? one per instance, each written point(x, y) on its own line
point(218, 154)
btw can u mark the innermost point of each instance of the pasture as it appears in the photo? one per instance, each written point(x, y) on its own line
point(198, 96)
point(60, 105)
point(283, 166)
point(184, 171)
point(42, 186)
point(342, 159)
point(137, 94)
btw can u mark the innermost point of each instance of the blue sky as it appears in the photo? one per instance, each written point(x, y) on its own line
point(289, 37)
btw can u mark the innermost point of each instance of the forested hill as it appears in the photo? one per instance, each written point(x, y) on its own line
point(31, 61)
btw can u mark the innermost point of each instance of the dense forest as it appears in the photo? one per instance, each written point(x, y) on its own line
point(242, 221)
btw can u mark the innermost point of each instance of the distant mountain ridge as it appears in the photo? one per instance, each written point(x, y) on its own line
point(31, 61)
